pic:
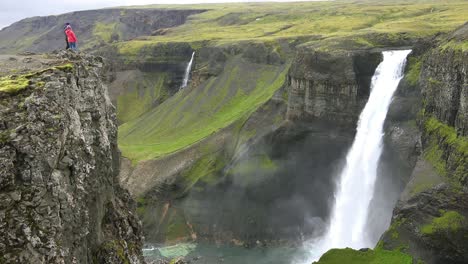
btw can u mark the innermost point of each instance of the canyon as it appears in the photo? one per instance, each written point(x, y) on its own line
point(248, 153)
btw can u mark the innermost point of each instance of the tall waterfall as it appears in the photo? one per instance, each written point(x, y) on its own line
point(187, 72)
point(355, 188)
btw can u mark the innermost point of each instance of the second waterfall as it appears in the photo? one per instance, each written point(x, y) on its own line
point(187, 72)
point(355, 187)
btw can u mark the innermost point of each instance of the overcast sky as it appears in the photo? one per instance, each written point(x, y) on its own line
point(14, 10)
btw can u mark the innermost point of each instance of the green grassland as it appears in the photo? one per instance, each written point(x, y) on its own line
point(194, 114)
point(322, 22)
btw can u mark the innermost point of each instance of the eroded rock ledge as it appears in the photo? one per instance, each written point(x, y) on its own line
point(59, 161)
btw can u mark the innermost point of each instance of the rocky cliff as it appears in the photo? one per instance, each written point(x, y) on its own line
point(331, 86)
point(430, 219)
point(59, 162)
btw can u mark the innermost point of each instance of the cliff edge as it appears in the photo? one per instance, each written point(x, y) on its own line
point(59, 161)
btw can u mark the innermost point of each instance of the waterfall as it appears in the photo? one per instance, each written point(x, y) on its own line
point(187, 72)
point(355, 188)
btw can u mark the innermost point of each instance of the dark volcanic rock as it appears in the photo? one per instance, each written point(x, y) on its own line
point(59, 162)
point(444, 81)
point(331, 87)
point(432, 226)
point(430, 220)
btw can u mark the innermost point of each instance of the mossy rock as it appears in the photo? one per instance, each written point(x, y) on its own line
point(13, 84)
point(351, 256)
point(112, 252)
point(450, 221)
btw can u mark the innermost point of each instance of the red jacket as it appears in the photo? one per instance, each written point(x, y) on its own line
point(70, 35)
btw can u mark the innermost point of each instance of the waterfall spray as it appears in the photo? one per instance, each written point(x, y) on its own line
point(355, 188)
point(187, 72)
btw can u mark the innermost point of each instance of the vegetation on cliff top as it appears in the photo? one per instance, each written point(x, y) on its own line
point(15, 83)
point(323, 21)
point(9, 84)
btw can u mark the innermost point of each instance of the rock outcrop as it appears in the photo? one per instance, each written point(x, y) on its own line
point(331, 87)
point(59, 162)
point(430, 219)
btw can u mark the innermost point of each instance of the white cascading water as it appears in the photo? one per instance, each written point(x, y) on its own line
point(347, 227)
point(187, 72)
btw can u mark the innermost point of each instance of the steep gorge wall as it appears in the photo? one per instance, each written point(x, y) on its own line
point(144, 80)
point(330, 86)
point(295, 163)
point(59, 162)
point(430, 219)
point(220, 74)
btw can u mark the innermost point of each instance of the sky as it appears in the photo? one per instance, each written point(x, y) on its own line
point(15, 10)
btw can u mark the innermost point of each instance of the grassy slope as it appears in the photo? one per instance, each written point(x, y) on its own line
point(350, 256)
point(329, 20)
point(194, 114)
point(146, 89)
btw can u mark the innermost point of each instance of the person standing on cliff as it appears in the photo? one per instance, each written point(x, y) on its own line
point(66, 38)
point(71, 37)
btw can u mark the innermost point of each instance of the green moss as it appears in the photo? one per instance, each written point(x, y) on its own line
point(65, 67)
point(351, 256)
point(393, 229)
point(141, 206)
point(449, 221)
point(205, 169)
point(446, 150)
point(11, 84)
point(412, 76)
point(117, 247)
point(4, 136)
point(261, 163)
point(455, 45)
point(285, 95)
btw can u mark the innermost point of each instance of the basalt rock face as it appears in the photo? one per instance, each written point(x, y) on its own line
point(331, 87)
point(430, 219)
point(59, 162)
point(444, 80)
